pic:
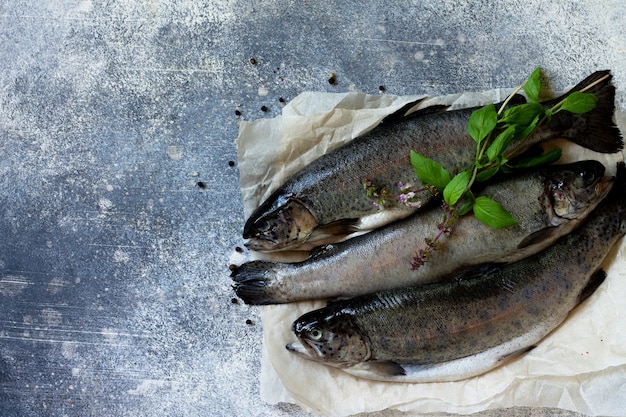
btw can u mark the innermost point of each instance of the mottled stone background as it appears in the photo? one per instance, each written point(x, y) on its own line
point(119, 201)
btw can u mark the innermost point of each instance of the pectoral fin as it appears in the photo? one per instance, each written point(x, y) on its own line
point(549, 233)
point(515, 354)
point(377, 370)
point(342, 227)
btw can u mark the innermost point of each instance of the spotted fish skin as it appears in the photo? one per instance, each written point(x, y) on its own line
point(471, 324)
point(325, 202)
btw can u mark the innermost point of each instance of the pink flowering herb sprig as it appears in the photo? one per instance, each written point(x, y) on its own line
point(432, 243)
point(381, 197)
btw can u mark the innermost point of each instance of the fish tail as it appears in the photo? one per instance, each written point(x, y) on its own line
point(252, 281)
point(596, 129)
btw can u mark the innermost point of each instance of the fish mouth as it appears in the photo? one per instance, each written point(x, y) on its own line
point(267, 245)
point(262, 245)
point(299, 349)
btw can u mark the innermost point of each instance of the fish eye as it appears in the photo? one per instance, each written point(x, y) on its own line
point(315, 333)
point(587, 177)
point(263, 226)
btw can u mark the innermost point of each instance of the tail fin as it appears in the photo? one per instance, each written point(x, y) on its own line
point(252, 282)
point(596, 129)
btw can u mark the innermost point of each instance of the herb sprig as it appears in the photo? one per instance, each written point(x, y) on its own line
point(499, 135)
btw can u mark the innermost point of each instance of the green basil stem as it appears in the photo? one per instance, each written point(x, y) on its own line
point(509, 98)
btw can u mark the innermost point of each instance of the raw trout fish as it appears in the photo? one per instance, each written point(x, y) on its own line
point(326, 202)
point(464, 327)
point(548, 203)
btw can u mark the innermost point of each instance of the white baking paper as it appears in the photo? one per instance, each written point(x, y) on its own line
point(581, 366)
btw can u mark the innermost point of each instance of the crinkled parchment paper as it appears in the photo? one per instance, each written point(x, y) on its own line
point(581, 366)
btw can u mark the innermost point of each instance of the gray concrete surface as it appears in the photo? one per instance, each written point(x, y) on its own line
point(114, 290)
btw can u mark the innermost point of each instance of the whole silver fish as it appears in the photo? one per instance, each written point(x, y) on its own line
point(326, 202)
point(548, 203)
point(467, 326)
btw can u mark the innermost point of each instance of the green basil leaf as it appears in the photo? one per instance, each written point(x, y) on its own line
point(485, 175)
point(534, 161)
point(578, 102)
point(500, 143)
point(521, 134)
point(533, 85)
point(482, 122)
point(455, 188)
point(492, 214)
point(522, 115)
point(429, 171)
point(465, 205)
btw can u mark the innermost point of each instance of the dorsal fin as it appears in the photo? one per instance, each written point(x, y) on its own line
point(537, 237)
point(376, 369)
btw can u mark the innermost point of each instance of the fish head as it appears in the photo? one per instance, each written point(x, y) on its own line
point(330, 338)
point(279, 224)
point(575, 189)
